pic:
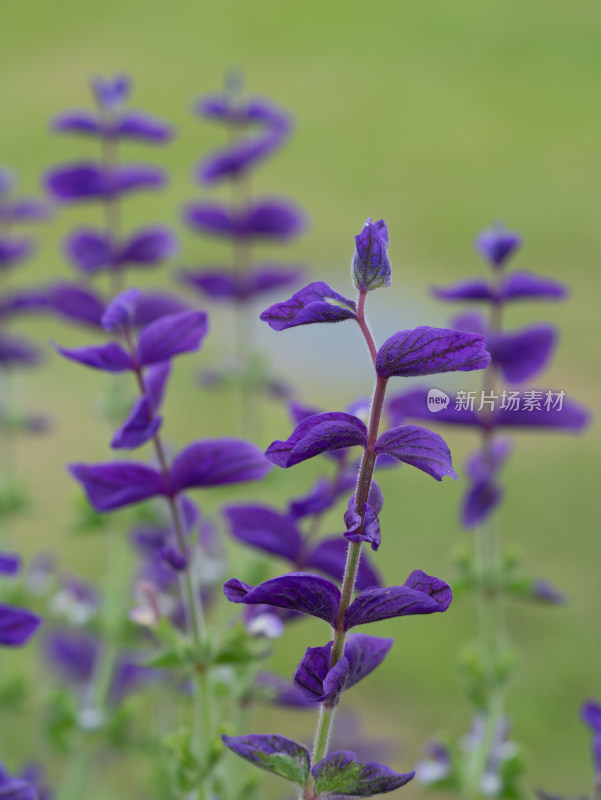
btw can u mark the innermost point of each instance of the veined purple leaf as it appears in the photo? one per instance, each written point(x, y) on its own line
point(214, 462)
point(141, 425)
point(120, 311)
point(273, 753)
point(318, 434)
point(419, 447)
point(299, 591)
point(109, 357)
point(342, 774)
point(426, 351)
point(420, 594)
point(17, 626)
point(118, 483)
point(315, 303)
point(265, 529)
point(521, 354)
point(370, 266)
point(171, 335)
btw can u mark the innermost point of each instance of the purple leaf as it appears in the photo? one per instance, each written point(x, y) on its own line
point(341, 773)
point(426, 351)
point(223, 284)
point(419, 447)
point(25, 210)
point(265, 529)
point(87, 181)
point(481, 499)
point(522, 354)
point(76, 303)
point(171, 335)
point(17, 626)
point(318, 434)
point(155, 381)
point(118, 483)
point(153, 305)
point(12, 251)
point(315, 303)
point(571, 416)
point(77, 122)
point(525, 285)
point(263, 751)
point(89, 250)
point(23, 301)
point(370, 267)
point(273, 219)
point(17, 789)
point(591, 715)
point(136, 125)
point(15, 351)
point(299, 591)
point(497, 244)
point(234, 160)
point(109, 357)
point(471, 289)
point(147, 247)
point(329, 556)
point(120, 311)
point(421, 594)
point(140, 426)
point(216, 462)
point(10, 563)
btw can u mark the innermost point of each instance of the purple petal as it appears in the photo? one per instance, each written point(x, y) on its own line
point(171, 335)
point(525, 285)
point(342, 773)
point(111, 93)
point(497, 244)
point(153, 305)
point(89, 250)
point(118, 483)
point(78, 122)
point(12, 251)
point(147, 247)
point(216, 462)
point(281, 692)
point(419, 447)
point(10, 563)
point(421, 594)
point(254, 747)
point(265, 529)
point(471, 289)
point(299, 591)
point(76, 303)
point(329, 556)
point(109, 357)
point(318, 434)
point(370, 266)
point(481, 499)
point(140, 426)
point(19, 352)
point(315, 303)
point(17, 626)
point(522, 354)
point(87, 181)
point(362, 527)
point(120, 311)
point(137, 125)
point(155, 381)
point(273, 219)
point(426, 351)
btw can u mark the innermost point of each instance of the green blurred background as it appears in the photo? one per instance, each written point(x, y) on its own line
point(440, 117)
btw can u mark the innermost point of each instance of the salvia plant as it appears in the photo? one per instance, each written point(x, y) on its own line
point(255, 129)
point(486, 763)
point(326, 671)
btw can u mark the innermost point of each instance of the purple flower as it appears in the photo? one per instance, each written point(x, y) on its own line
point(496, 245)
point(370, 266)
point(322, 684)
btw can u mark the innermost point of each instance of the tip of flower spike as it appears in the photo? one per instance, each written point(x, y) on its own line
point(370, 267)
point(497, 244)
